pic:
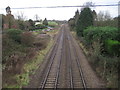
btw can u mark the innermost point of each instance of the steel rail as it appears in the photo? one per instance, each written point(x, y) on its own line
point(70, 64)
point(52, 56)
point(79, 66)
point(57, 76)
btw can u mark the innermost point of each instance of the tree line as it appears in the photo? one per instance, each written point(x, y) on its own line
point(10, 22)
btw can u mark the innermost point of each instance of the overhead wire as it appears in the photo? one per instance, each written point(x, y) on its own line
point(68, 6)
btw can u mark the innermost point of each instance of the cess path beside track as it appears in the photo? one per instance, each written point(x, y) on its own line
point(65, 66)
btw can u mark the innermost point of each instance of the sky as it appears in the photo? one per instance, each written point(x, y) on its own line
point(54, 13)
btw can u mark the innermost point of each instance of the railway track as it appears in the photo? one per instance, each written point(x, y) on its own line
point(77, 74)
point(52, 74)
point(63, 51)
point(65, 66)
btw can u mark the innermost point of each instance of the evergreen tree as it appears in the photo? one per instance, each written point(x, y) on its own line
point(76, 16)
point(45, 22)
point(85, 20)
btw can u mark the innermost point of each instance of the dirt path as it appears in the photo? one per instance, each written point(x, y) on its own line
point(65, 66)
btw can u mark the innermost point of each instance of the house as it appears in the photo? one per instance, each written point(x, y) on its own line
point(36, 23)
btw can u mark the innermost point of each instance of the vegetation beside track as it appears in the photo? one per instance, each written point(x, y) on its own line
point(99, 37)
point(23, 51)
point(105, 66)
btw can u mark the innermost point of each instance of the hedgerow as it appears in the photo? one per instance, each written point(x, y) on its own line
point(92, 34)
point(102, 35)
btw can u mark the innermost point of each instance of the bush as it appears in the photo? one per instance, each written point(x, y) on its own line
point(100, 34)
point(15, 34)
point(40, 26)
point(104, 52)
point(113, 47)
point(27, 38)
point(10, 47)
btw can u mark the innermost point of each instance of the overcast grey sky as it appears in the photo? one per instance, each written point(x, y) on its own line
point(54, 13)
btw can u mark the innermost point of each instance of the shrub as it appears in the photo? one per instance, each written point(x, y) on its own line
point(27, 38)
point(15, 34)
point(113, 47)
point(40, 26)
point(10, 47)
point(101, 34)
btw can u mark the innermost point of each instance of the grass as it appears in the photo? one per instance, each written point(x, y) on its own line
point(51, 23)
point(12, 86)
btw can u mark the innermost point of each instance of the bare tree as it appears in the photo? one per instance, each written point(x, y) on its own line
point(20, 16)
point(103, 16)
point(100, 16)
point(21, 21)
point(37, 17)
point(107, 16)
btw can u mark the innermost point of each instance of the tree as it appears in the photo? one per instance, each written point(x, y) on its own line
point(107, 16)
point(76, 16)
point(37, 18)
point(105, 19)
point(85, 20)
point(21, 21)
point(100, 16)
point(71, 23)
point(31, 24)
point(45, 22)
point(20, 16)
point(103, 16)
point(94, 17)
point(94, 14)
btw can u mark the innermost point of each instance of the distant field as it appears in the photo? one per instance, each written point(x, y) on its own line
point(52, 23)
